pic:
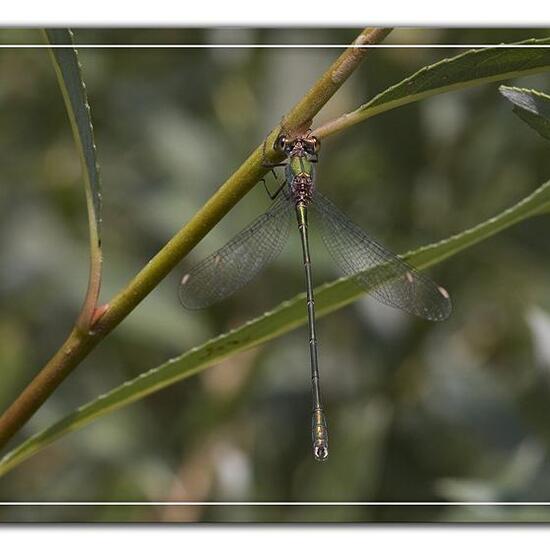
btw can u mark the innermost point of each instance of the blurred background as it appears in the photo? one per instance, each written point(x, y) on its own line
point(417, 411)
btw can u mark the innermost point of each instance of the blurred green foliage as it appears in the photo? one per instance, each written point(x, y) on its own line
point(417, 411)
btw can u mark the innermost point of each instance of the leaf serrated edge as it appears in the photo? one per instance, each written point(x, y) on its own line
point(329, 296)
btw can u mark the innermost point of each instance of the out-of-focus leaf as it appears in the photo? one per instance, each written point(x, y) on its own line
point(505, 484)
point(280, 320)
point(539, 324)
point(471, 68)
point(531, 106)
point(69, 75)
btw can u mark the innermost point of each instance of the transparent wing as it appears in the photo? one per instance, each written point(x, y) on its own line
point(389, 279)
point(236, 263)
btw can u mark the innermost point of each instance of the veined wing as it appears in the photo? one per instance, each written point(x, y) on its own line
point(380, 272)
point(240, 260)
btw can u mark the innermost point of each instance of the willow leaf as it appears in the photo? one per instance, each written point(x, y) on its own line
point(69, 76)
point(283, 318)
point(532, 106)
point(468, 69)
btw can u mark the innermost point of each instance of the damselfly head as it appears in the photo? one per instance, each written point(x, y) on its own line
point(297, 146)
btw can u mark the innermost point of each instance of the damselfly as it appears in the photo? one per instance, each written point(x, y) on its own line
point(374, 268)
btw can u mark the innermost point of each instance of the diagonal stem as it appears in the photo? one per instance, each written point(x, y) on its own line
point(79, 343)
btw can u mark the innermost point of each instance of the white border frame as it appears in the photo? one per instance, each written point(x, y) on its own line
point(269, 503)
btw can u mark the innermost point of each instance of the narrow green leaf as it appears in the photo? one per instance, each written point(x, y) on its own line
point(471, 68)
point(280, 320)
point(532, 106)
point(69, 75)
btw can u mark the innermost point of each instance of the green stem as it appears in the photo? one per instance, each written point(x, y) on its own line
point(80, 343)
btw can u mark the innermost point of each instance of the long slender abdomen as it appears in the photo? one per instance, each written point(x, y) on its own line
point(319, 431)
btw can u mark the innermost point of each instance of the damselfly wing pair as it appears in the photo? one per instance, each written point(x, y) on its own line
point(374, 268)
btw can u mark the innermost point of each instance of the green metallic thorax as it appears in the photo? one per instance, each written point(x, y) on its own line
point(299, 165)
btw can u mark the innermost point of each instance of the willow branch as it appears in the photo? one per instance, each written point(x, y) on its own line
point(80, 343)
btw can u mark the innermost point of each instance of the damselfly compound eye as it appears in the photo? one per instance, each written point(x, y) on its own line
point(312, 145)
point(281, 143)
point(316, 144)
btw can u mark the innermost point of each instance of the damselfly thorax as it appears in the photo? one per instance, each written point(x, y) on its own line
point(302, 154)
